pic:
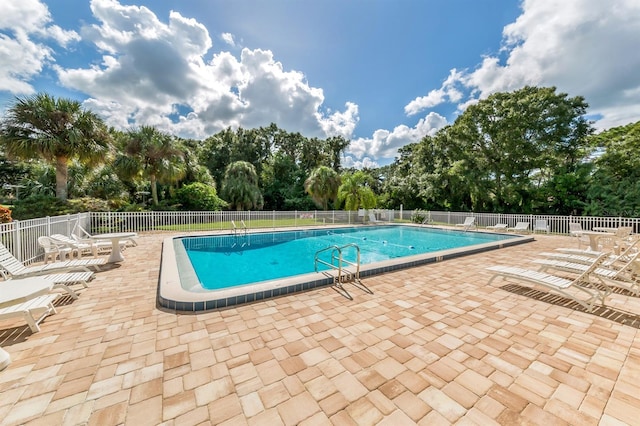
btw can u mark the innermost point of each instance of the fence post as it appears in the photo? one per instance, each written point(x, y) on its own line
point(17, 241)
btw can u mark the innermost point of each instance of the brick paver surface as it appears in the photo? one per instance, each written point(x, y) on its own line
point(432, 345)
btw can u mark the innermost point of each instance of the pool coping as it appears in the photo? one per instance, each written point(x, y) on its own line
point(172, 295)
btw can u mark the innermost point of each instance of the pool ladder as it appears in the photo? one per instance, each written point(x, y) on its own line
point(339, 268)
point(242, 232)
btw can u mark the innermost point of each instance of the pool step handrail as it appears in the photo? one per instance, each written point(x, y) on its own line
point(337, 264)
point(234, 228)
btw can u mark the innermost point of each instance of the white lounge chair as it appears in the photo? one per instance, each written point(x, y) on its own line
point(469, 222)
point(586, 258)
point(12, 267)
point(580, 285)
point(541, 225)
point(33, 310)
point(498, 227)
point(613, 272)
point(520, 227)
point(88, 245)
point(372, 219)
point(62, 281)
point(81, 234)
point(81, 248)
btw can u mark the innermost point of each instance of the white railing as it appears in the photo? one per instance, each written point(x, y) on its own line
point(21, 237)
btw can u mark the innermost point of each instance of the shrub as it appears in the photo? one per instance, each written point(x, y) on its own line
point(418, 216)
point(199, 197)
point(88, 204)
point(36, 206)
point(5, 215)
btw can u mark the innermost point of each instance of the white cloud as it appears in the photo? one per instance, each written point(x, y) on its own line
point(21, 57)
point(340, 123)
point(228, 38)
point(365, 163)
point(447, 93)
point(583, 47)
point(385, 144)
point(159, 73)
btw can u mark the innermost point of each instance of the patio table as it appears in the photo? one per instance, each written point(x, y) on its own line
point(115, 238)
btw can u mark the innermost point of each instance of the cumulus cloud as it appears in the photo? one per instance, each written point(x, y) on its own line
point(448, 92)
point(24, 26)
point(583, 47)
point(385, 143)
point(166, 74)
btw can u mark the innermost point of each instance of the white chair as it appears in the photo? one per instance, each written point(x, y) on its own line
point(520, 227)
point(81, 234)
point(372, 219)
point(576, 231)
point(79, 247)
point(541, 225)
point(33, 310)
point(54, 250)
point(498, 227)
point(582, 285)
point(10, 266)
point(469, 222)
point(617, 271)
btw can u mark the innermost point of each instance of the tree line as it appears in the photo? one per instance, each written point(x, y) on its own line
point(528, 151)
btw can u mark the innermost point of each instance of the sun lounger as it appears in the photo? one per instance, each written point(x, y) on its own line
point(12, 267)
point(79, 247)
point(498, 227)
point(469, 223)
point(566, 287)
point(586, 258)
point(64, 281)
point(81, 234)
point(621, 275)
point(33, 310)
point(541, 225)
point(372, 219)
point(520, 227)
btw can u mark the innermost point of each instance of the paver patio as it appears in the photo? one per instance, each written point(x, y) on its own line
point(433, 345)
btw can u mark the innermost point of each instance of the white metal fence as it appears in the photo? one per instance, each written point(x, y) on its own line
point(21, 237)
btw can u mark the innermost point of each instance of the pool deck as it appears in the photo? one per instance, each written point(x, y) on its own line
point(433, 345)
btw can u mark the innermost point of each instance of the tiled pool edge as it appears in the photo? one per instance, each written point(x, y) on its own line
point(172, 296)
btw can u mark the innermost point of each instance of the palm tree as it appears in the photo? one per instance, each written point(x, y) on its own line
point(150, 154)
point(356, 191)
point(56, 130)
point(322, 184)
point(240, 186)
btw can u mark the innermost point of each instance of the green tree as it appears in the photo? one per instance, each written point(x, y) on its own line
point(56, 130)
point(322, 185)
point(240, 186)
point(149, 153)
point(615, 183)
point(355, 191)
point(507, 153)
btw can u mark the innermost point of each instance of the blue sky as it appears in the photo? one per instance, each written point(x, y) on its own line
point(381, 73)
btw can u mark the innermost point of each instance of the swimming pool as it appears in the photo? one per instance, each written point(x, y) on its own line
point(215, 271)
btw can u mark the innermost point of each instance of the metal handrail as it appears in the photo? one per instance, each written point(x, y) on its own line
point(357, 263)
point(339, 258)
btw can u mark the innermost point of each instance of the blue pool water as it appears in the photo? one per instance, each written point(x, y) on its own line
point(232, 260)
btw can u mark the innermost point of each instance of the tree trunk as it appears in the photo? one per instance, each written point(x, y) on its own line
point(61, 177)
point(154, 190)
